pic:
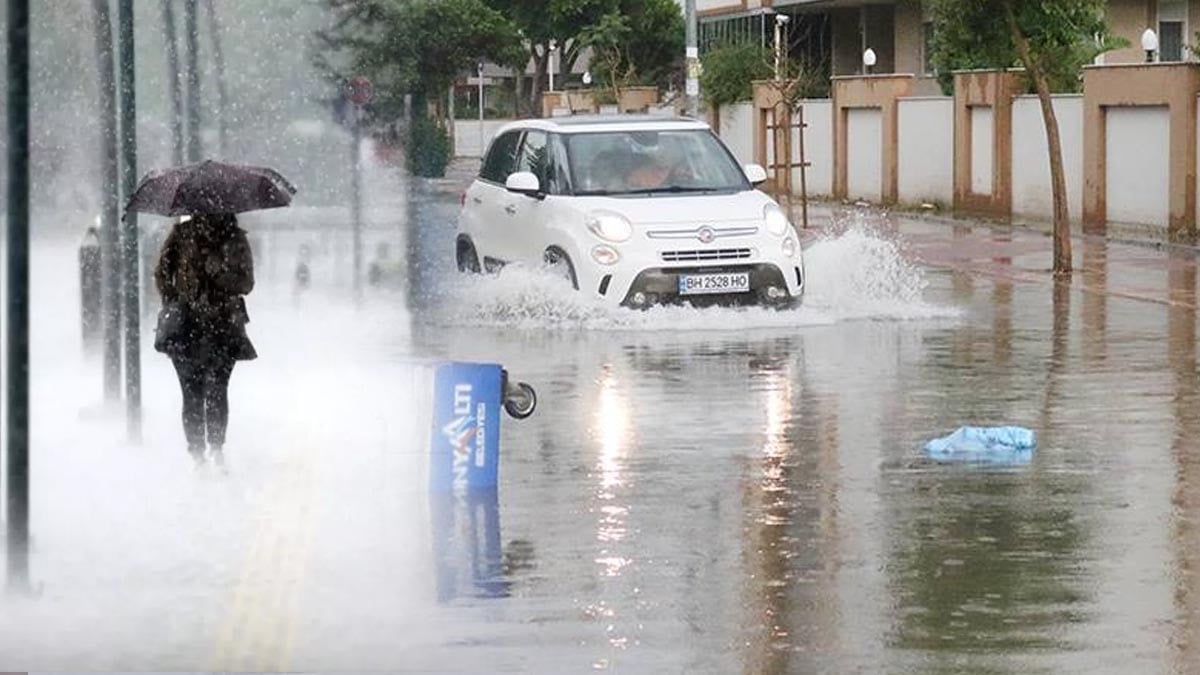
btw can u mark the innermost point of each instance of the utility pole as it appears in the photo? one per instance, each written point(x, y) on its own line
point(214, 30)
point(192, 37)
point(479, 74)
point(173, 80)
point(110, 302)
point(692, 87)
point(356, 194)
point(130, 256)
point(17, 506)
point(359, 92)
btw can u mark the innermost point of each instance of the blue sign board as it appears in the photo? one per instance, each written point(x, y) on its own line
point(468, 399)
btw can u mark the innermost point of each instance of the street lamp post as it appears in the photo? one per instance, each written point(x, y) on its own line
point(869, 60)
point(479, 74)
point(550, 65)
point(130, 256)
point(1149, 44)
point(17, 506)
point(781, 21)
point(691, 85)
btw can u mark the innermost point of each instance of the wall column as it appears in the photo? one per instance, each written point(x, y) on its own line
point(880, 92)
point(1174, 85)
point(992, 89)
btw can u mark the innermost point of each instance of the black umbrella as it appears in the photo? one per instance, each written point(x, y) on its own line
point(210, 187)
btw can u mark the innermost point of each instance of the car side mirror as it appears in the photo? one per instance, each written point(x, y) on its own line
point(755, 174)
point(523, 183)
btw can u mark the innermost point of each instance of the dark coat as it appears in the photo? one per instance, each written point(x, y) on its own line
point(205, 269)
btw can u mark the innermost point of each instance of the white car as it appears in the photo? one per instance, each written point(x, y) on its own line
point(636, 210)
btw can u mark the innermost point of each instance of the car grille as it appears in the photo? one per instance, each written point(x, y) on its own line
point(706, 254)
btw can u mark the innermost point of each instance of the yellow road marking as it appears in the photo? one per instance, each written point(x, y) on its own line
point(260, 626)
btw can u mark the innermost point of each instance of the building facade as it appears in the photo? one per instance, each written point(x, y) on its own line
point(833, 34)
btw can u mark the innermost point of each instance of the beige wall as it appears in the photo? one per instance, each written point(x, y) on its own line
point(1127, 19)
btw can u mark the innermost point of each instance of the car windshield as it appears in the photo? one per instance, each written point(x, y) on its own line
point(649, 162)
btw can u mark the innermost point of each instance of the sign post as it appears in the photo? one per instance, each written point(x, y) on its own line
point(359, 91)
point(17, 507)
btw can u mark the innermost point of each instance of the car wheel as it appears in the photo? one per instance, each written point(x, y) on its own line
point(559, 264)
point(467, 259)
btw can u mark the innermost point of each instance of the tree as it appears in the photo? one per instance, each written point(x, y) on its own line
point(414, 46)
point(1051, 40)
point(728, 72)
point(656, 40)
point(637, 42)
point(542, 21)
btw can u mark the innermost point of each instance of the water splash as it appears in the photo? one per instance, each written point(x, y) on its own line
point(858, 273)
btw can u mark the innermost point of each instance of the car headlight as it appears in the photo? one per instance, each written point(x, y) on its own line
point(605, 255)
point(610, 226)
point(789, 247)
point(777, 222)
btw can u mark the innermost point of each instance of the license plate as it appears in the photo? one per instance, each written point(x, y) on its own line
point(701, 284)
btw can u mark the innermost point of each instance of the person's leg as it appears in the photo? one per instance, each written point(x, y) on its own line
point(191, 385)
point(216, 401)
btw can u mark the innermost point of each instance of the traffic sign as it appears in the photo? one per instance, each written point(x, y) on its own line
point(359, 90)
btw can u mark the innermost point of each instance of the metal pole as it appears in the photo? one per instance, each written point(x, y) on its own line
point(173, 81)
point(131, 259)
point(479, 72)
point(18, 296)
point(550, 64)
point(356, 194)
point(214, 26)
point(192, 37)
point(110, 189)
point(692, 53)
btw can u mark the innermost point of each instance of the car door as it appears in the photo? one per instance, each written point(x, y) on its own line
point(528, 215)
point(487, 200)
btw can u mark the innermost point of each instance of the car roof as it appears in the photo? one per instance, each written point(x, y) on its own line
point(576, 124)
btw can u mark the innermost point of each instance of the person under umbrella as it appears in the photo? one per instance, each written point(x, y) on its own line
point(204, 273)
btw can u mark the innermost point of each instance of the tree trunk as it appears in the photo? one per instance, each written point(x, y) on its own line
point(1058, 182)
point(520, 103)
point(176, 93)
point(541, 61)
point(109, 261)
point(214, 27)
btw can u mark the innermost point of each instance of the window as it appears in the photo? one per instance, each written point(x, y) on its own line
point(499, 162)
point(632, 162)
point(1172, 27)
point(1170, 40)
point(534, 157)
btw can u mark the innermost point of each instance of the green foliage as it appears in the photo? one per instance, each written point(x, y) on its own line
point(656, 40)
point(428, 148)
point(1063, 36)
point(728, 72)
point(636, 43)
point(414, 45)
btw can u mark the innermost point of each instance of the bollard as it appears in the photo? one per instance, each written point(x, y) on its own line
point(464, 475)
point(90, 302)
point(466, 426)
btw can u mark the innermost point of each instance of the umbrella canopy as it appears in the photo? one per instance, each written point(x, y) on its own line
point(210, 187)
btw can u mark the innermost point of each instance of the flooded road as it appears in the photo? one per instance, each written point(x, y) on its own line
point(707, 491)
point(721, 492)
